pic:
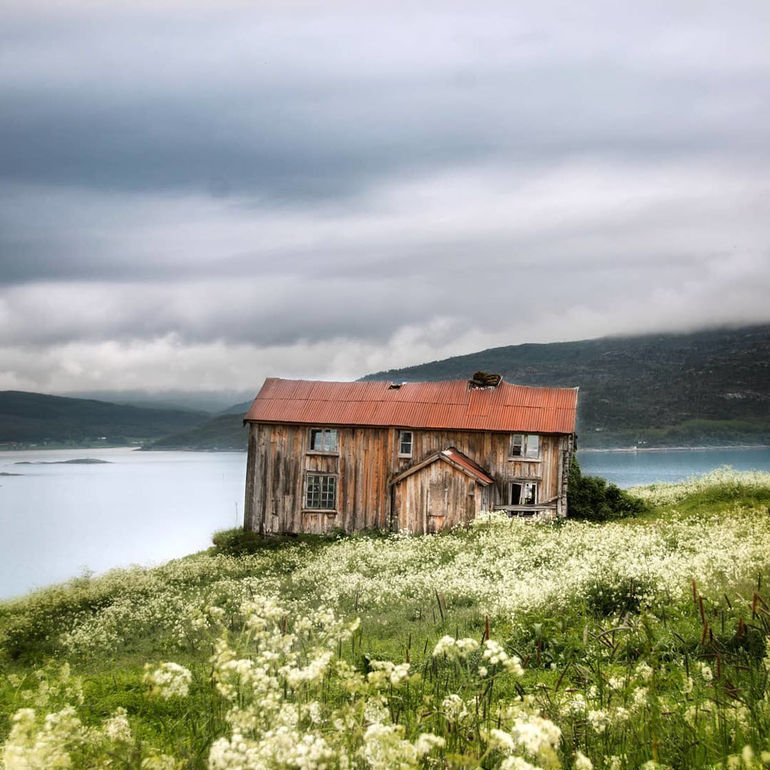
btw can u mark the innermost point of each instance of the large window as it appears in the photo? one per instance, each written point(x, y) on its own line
point(405, 441)
point(323, 440)
point(523, 493)
point(321, 492)
point(525, 445)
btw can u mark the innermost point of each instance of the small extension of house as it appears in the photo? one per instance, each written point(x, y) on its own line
point(417, 457)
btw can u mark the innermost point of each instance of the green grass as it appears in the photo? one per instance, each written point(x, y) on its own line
point(585, 607)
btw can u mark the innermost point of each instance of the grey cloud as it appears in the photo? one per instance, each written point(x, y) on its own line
point(347, 188)
point(288, 114)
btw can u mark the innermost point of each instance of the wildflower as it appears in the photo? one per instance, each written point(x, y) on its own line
point(453, 707)
point(169, 680)
point(116, 728)
point(638, 698)
point(453, 648)
point(533, 734)
point(494, 653)
point(49, 747)
point(598, 720)
point(385, 748)
point(310, 673)
point(385, 671)
point(620, 715)
point(426, 742)
point(517, 763)
point(705, 671)
point(499, 739)
point(577, 704)
point(582, 762)
point(644, 671)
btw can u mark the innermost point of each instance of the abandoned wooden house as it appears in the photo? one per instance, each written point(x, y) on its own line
point(416, 457)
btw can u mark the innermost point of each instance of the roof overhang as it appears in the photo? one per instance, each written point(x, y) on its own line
point(453, 457)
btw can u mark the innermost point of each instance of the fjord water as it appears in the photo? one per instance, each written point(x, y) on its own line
point(57, 520)
point(630, 468)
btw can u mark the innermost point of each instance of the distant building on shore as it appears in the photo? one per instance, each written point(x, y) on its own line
point(417, 457)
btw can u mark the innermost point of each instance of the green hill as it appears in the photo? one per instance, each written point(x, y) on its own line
point(223, 433)
point(36, 418)
point(707, 387)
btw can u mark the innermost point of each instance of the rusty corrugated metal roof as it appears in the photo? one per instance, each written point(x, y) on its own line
point(428, 405)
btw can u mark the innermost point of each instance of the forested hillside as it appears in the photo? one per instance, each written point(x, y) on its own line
point(36, 418)
point(708, 387)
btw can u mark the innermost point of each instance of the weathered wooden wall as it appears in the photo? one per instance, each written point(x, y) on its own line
point(436, 497)
point(366, 461)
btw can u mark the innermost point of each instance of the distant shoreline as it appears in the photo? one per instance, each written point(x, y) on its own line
point(709, 448)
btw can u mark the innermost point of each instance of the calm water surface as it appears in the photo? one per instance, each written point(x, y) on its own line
point(629, 469)
point(141, 508)
point(147, 507)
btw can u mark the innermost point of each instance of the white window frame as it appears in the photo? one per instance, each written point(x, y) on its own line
point(523, 484)
point(327, 447)
point(528, 444)
point(321, 495)
point(402, 443)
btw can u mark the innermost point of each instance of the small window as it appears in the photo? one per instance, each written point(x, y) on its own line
point(405, 443)
point(525, 445)
point(321, 492)
point(523, 493)
point(323, 440)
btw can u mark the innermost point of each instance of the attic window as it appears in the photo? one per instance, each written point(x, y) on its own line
point(395, 385)
point(525, 445)
point(405, 440)
point(323, 440)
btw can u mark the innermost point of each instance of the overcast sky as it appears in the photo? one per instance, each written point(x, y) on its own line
point(199, 195)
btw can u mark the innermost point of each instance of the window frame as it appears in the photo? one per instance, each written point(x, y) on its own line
point(401, 443)
point(523, 484)
point(324, 432)
point(320, 508)
point(525, 442)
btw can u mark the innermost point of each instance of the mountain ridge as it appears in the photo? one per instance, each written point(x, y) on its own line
point(28, 418)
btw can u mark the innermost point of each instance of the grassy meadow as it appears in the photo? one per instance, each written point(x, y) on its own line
point(640, 643)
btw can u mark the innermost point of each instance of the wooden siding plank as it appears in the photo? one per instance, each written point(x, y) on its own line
point(368, 458)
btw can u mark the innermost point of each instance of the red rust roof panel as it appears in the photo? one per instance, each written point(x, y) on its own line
point(435, 405)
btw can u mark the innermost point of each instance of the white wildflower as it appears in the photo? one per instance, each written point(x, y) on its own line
point(426, 742)
point(169, 680)
point(454, 649)
point(705, 671)
point(598, 720)
point(644, 671)
point(582, 762)
point(517, 763)
point(494, 653)
point(453, 707)
point(117, 728)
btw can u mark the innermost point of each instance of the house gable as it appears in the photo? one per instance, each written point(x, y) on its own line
point(453, 457)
